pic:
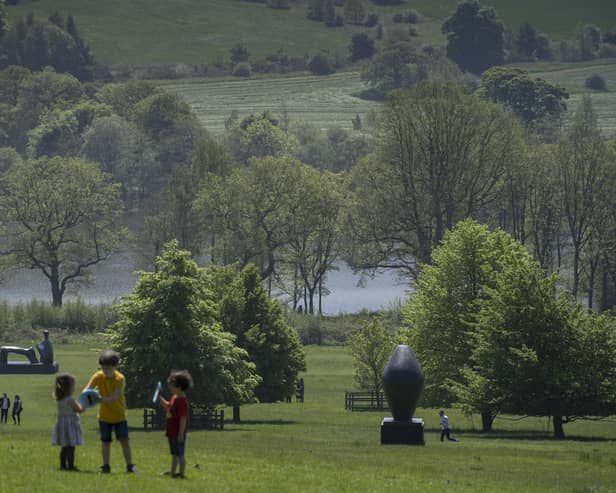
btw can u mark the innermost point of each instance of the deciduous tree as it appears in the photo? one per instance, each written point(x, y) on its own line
point(59, 217)
point(475, 37)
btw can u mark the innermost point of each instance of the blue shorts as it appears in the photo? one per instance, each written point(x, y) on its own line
point(175, 447)
point(121, 430)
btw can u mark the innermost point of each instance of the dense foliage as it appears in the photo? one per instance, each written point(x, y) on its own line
point(475, 37)
point(170, 322)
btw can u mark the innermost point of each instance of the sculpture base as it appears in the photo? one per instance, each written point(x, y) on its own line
point(407, 432)
point(19, 368)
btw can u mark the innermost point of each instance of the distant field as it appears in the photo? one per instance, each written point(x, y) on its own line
point(199, 31)
point(328, 101)
point(323, 101)
point(196, 31)
point(572, 77)
point(312, 447)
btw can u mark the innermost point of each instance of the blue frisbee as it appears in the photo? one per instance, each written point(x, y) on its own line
point(89, 398)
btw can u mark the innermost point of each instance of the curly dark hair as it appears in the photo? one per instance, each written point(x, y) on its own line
point(181, 379)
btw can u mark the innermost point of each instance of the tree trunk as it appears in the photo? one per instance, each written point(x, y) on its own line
point(311, 301)
point(236, 414)
point(321, 296)
point(558, 427)
point(56, 292)
point(576, 272)
point(486, 422)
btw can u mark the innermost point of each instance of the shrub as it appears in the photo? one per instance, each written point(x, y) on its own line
point(607, 50)
point(372, 20)
point(410, 17)
point(278, 4)
point(242, 69)
point(596, 82)
point(320, 65)
point(337, 21)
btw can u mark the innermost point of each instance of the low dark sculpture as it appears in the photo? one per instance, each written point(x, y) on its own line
point(46, 365)
point(403, 382)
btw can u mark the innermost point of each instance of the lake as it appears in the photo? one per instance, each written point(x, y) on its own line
point(349, 292)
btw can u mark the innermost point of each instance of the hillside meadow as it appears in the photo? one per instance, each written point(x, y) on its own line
point(315, 446)
point(202, 31)
point(328, 101)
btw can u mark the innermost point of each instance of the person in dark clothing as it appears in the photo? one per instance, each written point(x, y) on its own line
point(5, 405)
point(17, 409)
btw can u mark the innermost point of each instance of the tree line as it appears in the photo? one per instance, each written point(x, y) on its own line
point(295, 200)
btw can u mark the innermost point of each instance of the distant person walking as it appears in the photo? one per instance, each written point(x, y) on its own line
point(17, 408)
point(5, 405)
point(445, 430)
point(299, 396)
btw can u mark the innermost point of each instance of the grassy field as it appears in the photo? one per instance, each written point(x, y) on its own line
point(324, 101)
point(315, 446)
point(571, 76)
point(198, 31)
point(328, 101)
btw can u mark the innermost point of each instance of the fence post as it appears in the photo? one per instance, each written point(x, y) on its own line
point(222, 419)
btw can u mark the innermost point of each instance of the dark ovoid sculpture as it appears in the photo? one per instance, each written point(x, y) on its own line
point(46, 364)
point(402, 381)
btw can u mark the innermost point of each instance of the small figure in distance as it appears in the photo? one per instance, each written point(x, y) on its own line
point(17, 409)
point(445, 430)
point(67, 432)
point(5, 405)
point(177, 414)
point(112, 408)
point(299, 396)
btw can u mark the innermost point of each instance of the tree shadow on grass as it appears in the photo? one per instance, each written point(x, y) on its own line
point(524, 435)
point(261, 422)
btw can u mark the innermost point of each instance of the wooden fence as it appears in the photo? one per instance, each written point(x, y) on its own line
point(365, 401)
point(155, 420)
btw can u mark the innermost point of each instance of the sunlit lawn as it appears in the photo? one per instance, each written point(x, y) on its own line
point(315, 446)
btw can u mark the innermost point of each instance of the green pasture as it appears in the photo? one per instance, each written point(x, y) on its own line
point(572, 76)
point(315, 446)
point(200, 31)
point(197, 31)
point(324, 101)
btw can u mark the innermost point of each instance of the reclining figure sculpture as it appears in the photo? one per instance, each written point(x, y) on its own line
point(46, 364)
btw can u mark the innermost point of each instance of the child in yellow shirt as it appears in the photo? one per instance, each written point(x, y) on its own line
point(112, 408)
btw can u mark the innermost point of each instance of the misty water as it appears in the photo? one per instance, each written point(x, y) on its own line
point(348, 292)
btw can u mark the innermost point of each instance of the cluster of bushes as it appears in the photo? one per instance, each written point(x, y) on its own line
point(588, 43)
point(75, 316)
point(410, 17)
point(324, 11)
point(161, 71)
point(274, 4)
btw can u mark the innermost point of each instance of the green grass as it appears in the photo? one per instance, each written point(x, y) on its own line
point(572, 76)
point(324, 101)
point(317, 446)
point(198, 31)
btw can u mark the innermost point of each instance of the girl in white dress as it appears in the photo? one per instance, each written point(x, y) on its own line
point(67, 432)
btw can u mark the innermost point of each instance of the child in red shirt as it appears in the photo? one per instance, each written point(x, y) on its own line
point(177, 419)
